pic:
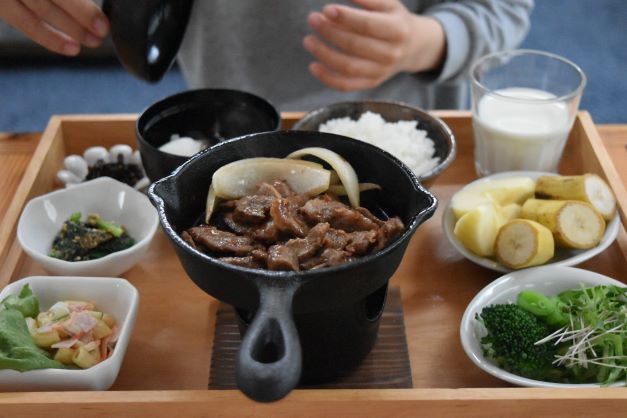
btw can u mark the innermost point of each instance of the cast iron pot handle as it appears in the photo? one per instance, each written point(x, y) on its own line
point(269, 361)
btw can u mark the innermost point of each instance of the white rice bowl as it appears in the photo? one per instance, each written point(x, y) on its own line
point(402, 139)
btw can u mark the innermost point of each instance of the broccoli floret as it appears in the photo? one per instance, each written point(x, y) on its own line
point(512, 332)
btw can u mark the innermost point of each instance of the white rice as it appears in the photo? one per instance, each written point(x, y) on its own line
point(402, 139)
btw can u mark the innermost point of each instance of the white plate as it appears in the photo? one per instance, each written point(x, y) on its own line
point(563, 256)
point(548, 280)
point(43, 217)
point(117, 297)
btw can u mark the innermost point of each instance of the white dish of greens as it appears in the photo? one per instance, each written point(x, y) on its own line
point(539, 328)
point(45, 217)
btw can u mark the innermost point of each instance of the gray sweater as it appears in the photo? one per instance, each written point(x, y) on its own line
point(256, 46)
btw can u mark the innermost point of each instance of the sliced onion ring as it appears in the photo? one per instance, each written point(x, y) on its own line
point(339, 190)
point(344, 170)
point(242, 178)
point(335, 179)
point(212, 201)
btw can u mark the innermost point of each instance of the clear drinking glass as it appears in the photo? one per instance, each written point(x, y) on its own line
point(524, 103)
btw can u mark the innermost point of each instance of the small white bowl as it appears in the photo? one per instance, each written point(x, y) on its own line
point(562, 257)
point(43, 217)
point(550, 281)
point(116, 297)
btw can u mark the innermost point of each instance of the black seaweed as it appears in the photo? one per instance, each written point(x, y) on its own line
point(79, 241)
point(126, 173)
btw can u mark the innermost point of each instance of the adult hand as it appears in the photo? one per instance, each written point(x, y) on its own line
point(360, 48)
point(58, 25)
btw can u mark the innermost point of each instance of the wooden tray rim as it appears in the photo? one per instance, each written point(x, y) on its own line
point(479, 402)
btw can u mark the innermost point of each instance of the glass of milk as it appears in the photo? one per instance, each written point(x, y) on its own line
point(524, 103)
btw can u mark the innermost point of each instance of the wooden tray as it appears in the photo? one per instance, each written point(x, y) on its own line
point(386, 366)
point(167, 362)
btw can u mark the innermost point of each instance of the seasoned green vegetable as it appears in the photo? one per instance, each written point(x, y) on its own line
point(512, 333)
point(97, 222)
point(112, 246)
point(89, 240)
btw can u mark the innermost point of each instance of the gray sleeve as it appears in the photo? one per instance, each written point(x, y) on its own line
point(476, 27)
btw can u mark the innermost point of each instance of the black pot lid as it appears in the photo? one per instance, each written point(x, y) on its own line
point(147, 34)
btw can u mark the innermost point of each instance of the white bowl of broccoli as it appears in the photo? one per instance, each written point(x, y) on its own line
point(549, 326)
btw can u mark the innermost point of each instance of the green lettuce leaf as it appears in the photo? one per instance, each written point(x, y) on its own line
point(25, 302)
point(17, 349)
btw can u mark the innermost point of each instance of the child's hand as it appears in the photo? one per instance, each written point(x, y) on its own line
point(364, 47)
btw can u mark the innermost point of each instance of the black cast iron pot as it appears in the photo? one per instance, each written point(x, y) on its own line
point(333, 341)
point(276, 296)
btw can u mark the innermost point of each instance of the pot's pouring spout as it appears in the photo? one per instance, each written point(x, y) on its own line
point(163, 194)
point(169, 200)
